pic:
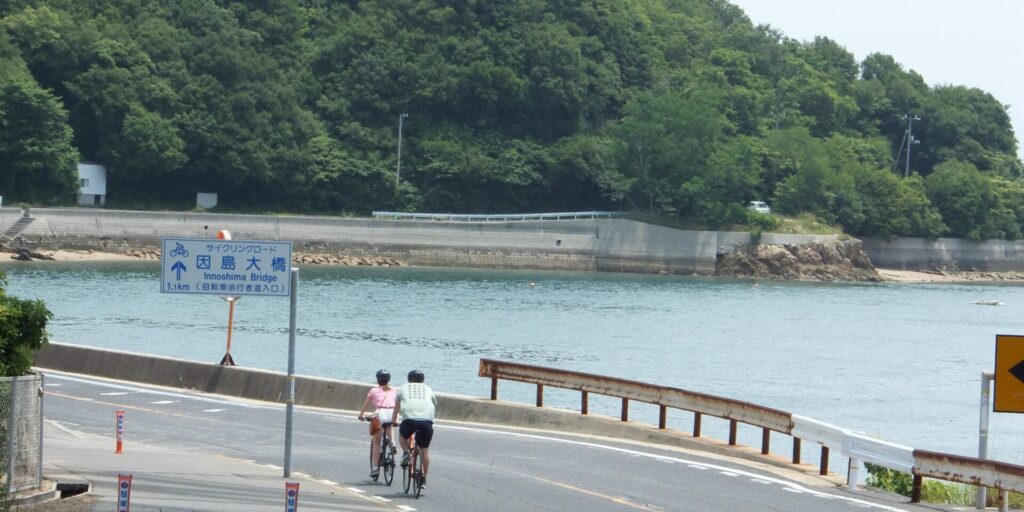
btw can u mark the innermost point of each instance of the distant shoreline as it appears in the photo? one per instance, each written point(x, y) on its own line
point(890, 275)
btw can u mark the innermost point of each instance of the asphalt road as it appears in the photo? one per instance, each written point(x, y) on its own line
point(474, 468)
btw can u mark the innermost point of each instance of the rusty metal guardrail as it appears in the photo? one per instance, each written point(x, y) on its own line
point(857, 447)
point(700, 404)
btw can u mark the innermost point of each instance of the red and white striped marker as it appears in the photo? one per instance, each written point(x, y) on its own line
point(291, 496)
point(120, 434)
point(124, 493)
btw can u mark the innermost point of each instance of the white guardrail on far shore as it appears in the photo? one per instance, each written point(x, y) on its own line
point(500, 217)
point(854, 445)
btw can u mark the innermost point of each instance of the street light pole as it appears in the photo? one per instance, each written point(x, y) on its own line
point(910, 140)
point(398, 166)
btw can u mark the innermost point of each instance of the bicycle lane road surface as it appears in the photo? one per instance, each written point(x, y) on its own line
point(473, 467)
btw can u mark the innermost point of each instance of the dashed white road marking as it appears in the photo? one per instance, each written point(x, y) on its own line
point(54, 384)
point(356, 489)
point(214, 410)
point(114, 393)
point(163, 402)
point(759, 481)
point(694, 466)
point(790, 489)
point(728, 473)
point(407, 508)
point(380, 498)
point(328, 482)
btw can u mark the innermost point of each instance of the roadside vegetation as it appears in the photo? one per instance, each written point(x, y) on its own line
point(933, 491)
point(676, 109)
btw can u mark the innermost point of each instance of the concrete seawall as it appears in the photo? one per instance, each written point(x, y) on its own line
point(270, 386)
point(617, 245)
point(946, 253)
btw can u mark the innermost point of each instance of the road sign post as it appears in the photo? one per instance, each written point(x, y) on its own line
point(237, 268)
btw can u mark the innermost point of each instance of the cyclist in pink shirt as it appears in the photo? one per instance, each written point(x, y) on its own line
point(382, 397)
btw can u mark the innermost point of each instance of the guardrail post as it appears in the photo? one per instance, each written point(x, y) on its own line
point(625, 409)
point(585, 399)
point(540, 395)
point(732, 432)
point(915, 491)
point(662, 417)
point(494, 388)
point(823, 470)
point(853, 474)
point(796, 450)
point(766, 439)
point(696, 424)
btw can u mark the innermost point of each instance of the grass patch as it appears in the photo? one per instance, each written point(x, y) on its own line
point(805, 224)
point(933, 491)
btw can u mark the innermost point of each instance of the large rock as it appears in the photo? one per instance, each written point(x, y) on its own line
point(836, 261)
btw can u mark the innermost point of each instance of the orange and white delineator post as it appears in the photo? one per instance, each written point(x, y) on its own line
point(120, 432)
point(124, 493)
point(291, 497)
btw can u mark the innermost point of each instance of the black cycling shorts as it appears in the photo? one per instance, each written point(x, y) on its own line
point(424, 430)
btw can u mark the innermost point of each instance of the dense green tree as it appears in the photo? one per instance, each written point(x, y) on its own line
point(964, 197)
point(37, 160)
point(676, 107)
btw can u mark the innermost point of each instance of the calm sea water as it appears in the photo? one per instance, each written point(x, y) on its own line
point(898, 361)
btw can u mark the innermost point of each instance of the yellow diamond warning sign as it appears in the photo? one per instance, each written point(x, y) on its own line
point(1009, 392)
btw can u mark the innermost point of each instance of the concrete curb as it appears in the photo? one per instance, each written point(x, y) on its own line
point(271, 386)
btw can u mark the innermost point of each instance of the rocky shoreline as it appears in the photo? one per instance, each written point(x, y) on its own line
point(839, 261)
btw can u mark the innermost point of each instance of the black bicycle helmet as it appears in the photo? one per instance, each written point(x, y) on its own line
point(383, 377)
point(415, 376)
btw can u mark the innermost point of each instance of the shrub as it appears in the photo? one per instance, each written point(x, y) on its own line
point(22, 331)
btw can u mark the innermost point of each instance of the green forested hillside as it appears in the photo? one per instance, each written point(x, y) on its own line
point(674, 107)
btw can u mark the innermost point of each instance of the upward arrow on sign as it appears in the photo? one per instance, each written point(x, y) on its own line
point(178, 268)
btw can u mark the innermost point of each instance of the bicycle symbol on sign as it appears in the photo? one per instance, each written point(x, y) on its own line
point(179, 250)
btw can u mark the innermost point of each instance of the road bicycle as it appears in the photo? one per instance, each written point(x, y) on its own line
point(412, 476)
point(387, 455)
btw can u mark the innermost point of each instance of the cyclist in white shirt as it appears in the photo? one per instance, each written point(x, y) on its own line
point(416, 403)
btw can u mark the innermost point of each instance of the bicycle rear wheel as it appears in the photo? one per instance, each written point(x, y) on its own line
point(387, 464)
point(372, 448)
point(407, 478)
point(417, 464)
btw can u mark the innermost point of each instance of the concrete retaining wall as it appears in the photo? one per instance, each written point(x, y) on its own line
point(270, 386)
point(616, 245)
point(947, 253)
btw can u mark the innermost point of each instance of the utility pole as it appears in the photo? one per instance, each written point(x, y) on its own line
point(910, 118)
point(398, 166)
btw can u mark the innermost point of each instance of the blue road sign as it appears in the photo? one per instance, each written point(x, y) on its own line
point(225, 267)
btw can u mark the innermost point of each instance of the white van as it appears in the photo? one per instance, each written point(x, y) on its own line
point(759, 207)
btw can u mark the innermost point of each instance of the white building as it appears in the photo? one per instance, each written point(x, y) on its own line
point(92, 185)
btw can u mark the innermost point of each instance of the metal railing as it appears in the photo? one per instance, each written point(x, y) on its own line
point(855, 446)
point(21, 425)
point(501, 217)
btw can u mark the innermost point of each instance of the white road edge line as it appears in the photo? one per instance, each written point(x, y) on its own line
point(787, 485)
